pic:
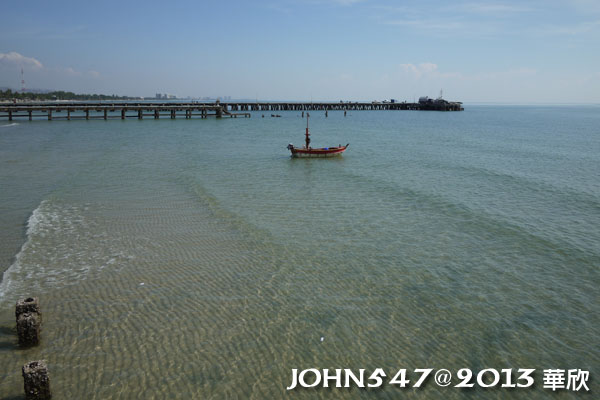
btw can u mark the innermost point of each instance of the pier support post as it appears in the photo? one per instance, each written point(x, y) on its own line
point(28, 305)
point(28, 328)
point(87, 113)
point(30, 115)
point(123, 113)
point(49, 115)
point(105, 114)
point(9, 115)
point(68, 114)
point(36, 381)
point(29, 321)
point(219, 112)
point(140, 114)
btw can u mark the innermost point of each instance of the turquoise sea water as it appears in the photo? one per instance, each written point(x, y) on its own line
point(196, 259)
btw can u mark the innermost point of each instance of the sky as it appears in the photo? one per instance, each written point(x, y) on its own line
point(504, 51)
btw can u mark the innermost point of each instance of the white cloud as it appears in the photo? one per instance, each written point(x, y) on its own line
point(72, 72)
point(15, 59)
point(418, 71)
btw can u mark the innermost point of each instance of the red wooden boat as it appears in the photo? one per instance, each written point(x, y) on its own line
point(308, 151)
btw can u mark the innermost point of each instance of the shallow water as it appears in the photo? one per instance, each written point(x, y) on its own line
point(195, 259)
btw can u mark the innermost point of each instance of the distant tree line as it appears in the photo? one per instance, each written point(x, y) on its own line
point(58, 95)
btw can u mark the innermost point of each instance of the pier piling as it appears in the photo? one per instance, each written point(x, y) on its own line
point(28, 329)
point(36, 381)
point(29, 321)
point(30, 304)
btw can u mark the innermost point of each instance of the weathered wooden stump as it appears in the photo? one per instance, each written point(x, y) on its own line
point(30, 304)
point(36, 381)
point(28, 329)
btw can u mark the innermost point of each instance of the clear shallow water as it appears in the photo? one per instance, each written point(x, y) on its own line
point(439, 240)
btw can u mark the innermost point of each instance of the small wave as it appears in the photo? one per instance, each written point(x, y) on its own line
point(62, 247)
point(6, 126)
point(32, 222)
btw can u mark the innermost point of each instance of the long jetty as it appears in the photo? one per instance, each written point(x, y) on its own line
point(68, 110)
point(120, 110)
point(438, 105)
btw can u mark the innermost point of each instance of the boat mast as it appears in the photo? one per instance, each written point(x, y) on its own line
point(307, 135)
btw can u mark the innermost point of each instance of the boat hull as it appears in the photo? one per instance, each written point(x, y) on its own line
point(318, 152)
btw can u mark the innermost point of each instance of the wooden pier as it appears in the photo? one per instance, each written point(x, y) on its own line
point(343, 106)
point(139, 110)
point(124, 110)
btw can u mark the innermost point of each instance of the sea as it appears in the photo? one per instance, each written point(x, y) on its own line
point(194, 259)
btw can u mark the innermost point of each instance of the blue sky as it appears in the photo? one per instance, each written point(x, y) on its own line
point(476, 51)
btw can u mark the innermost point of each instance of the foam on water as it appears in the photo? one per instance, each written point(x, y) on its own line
point(8, 125)
point(62, 248)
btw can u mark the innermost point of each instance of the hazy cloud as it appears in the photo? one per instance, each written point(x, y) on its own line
point(15, 59)
point(511, 73)
point(419, 70)
point(429, 70)
point(577, 29)
point(72, 72)
point(348, 2)
point(427, 24)
point(491, 8)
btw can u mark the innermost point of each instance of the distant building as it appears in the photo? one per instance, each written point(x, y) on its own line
point(439, 104)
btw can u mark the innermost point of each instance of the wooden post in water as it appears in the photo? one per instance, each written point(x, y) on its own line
point(68, 114)
point(87, 113)
point(30, 114)
point(123, 113)
point(28, 329)
point(49, 115)
point(29, 321)
point(36, 381)
point(10, 115)
point(156, 114)
point(30, 304)
point(105, 114)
